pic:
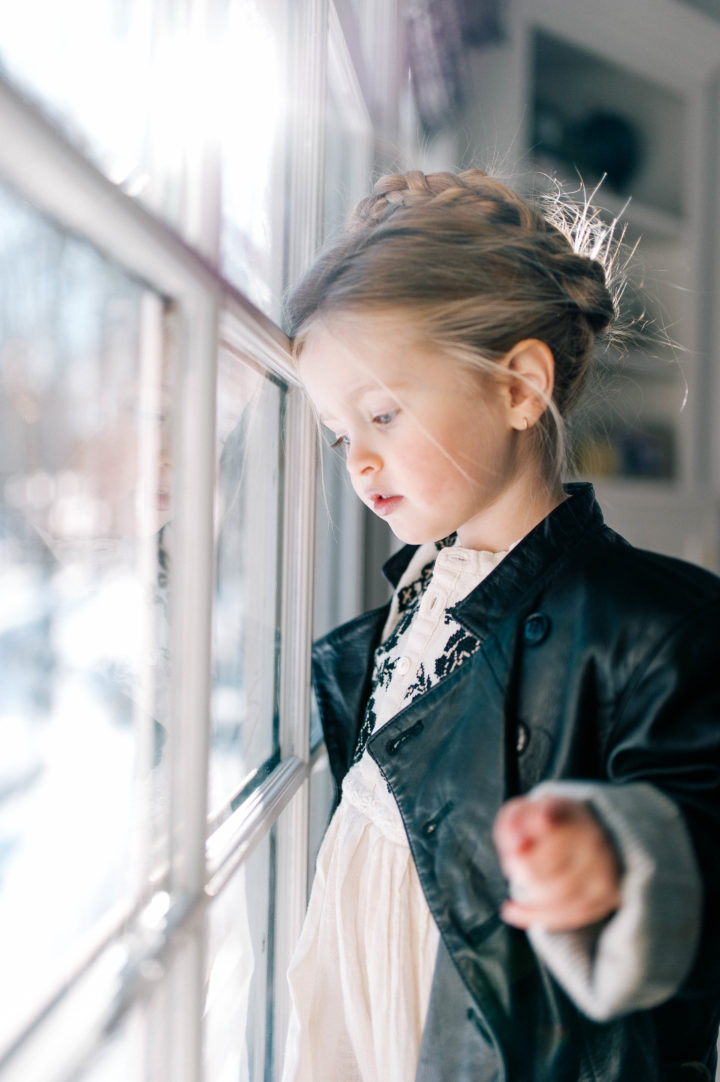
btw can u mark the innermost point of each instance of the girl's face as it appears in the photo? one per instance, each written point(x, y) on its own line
point(429, 445)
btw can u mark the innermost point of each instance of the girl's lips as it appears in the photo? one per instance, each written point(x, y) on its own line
point(384, 505)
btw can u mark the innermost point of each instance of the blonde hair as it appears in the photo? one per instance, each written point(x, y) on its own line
point(478, 268)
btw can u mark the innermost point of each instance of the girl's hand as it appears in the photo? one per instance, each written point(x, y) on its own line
point(562, 868)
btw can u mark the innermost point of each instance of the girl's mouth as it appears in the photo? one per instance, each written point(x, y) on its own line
point(384, 505)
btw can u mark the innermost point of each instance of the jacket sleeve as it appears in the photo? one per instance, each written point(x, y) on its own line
point(661, 807)
point(639, 957)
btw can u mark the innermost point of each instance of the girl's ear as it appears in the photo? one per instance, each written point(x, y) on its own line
point(532, 366)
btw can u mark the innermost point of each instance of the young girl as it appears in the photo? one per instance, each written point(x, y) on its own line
point(520, 881)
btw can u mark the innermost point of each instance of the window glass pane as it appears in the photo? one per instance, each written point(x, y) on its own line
point(339, 539)
point(238, 1006)
point(121, 1057)
point(348, 140)
point(254, 149)
point(84, 498)
point(339, 544)
point(88, 64)
point(157, 132)
point(113, 75)
point(245, 618)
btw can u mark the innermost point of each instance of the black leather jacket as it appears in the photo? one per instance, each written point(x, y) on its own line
point(600, 662)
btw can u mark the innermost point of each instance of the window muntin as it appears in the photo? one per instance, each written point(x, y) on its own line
point(84, 497)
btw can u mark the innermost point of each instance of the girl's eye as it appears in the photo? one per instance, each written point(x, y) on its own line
point(383, 419)
point(341, 441)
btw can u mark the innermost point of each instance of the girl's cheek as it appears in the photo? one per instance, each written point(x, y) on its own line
point(356, 486)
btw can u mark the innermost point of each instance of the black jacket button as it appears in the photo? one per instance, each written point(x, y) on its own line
point(535, 629)
point(522, 737)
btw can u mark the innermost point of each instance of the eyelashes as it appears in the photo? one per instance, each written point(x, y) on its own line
point(380, 420)
point(383, 419)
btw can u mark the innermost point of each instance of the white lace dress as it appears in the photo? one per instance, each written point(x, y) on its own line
point(361, 975)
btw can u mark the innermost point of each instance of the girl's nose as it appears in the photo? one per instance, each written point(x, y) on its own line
point(361, 459)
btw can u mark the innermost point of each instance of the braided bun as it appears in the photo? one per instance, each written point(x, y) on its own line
point(479, 267)
point(415, 189)
point(499, 205)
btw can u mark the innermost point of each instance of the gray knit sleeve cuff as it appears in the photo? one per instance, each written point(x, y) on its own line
point(638, 957)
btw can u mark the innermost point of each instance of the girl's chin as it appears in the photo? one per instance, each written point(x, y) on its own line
point(417, 537)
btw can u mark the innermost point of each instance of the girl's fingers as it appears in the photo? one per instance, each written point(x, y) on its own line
point(561, 865)
point(576, 852)
point(579, 897)
point(522, 821)
point(566, 918)
point(577, 884)
point(546, 859)
point(547, 842)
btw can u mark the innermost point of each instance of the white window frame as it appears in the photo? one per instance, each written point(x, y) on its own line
point(52, 175)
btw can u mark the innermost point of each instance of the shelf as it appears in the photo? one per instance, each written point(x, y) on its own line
point(647, 411)
point(595, 118)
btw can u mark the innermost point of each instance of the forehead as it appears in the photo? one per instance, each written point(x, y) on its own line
point(348, 357)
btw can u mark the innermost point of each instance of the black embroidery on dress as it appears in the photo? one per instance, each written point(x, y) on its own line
point(384, 664)
point(421, 684)
point(400, 627)
point(383, 668)
point(460, 646)
point(416, 588)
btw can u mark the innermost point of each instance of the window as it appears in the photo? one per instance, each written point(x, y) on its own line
point(84, 505)
point(165, 171)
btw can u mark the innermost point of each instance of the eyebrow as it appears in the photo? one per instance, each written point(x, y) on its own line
point(367, 388)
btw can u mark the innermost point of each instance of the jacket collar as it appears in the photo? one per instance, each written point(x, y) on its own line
point(525, 566)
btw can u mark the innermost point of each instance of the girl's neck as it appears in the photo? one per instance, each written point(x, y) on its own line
point(515, 513)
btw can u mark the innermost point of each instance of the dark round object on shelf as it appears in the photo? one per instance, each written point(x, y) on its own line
point(604, 142)
point(549, 128)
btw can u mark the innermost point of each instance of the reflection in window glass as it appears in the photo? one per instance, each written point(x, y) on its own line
point(245, 617)
point(253, 146)
point(84, 499)
point(238, 1020)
